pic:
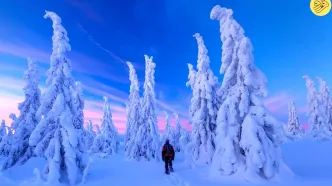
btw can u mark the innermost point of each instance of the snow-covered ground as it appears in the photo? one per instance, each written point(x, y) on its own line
point(310, 160)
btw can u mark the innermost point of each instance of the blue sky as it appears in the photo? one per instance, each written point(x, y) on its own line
point(289, 42)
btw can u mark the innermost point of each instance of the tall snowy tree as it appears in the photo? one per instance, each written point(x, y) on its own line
point(13, 117)
point(203, 107)
point(147, 141)
point(20, 150)
point(58, 135)
point(178, 130)
point(293, 124)
point(3, 132)
point(325, 105)
point(316, 121)
point(133, 112)
point(107, 142)
point(169, 131)
point(90, 134)
point(248, 136)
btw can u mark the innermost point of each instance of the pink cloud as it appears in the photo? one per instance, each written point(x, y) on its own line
point(24, 50)
point(9, 105)
point(279, 103)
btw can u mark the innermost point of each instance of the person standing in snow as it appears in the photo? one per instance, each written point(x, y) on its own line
point(168, 156)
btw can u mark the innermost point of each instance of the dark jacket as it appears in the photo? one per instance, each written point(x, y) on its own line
point(168, 151)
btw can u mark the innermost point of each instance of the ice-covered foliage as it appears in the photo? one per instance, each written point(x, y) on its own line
point(20, 150)
point(98, 131)
point(178, 130)
point(293, 129)
point(248, 136)
point(13, 117)
point(169, 131)
point(203, 107)
point(3, 132)
point(325, 105)
point(59, 135)
point(147, 140)
point(133, 113)
point(107, 142)
point(184, 138)
point(315, 119)
point(90, 134)
point(6, 141)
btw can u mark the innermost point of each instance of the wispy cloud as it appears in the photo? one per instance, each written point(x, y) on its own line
point(110, 53)
point(81, 63)
point(86, 8)
point(24, 50)
point(278, 104)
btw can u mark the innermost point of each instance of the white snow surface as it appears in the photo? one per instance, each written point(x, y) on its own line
point(310, 169)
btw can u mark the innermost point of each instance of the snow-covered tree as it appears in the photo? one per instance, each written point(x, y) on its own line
point(325, 105)
point(203, 107)
point(293, 125)
point(178, 126)
point(133, 112)
point(3, 132)
point(147, 141)
point(107, 142)
point(13, 117)
point(98, 131)
point(90, 134)
point(169, 131)
point(247, 134)
point(20, 150)
point(184, 138)
point(58, 136)
point(6, 142)
point(316, 121)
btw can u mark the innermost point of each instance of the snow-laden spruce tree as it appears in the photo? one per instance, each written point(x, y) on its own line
point(6, 141)
point(107, 142)
point(20, 150)
point(169, 131)
point(98, 131)
point(184, 138)
point(248, 136)
point(3, 132)
point(58, 135)
point(315, 121)
point(133, 113)
point(325, 105)
point(203, 107)
point(178, 130)
point(194, 106)
point(147, 141)
point(293, 128)
point(13, 117)
point(90, 134)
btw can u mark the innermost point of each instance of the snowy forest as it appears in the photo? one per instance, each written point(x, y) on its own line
point(232, 132)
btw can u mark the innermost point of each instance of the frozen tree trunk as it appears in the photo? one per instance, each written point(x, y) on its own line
point(59, 135)
point(133, 113)
point(20, 150)
point(248, 136)
point(203, 107)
